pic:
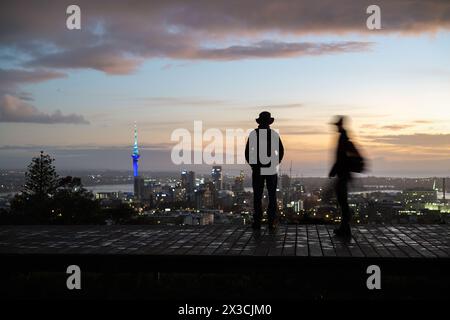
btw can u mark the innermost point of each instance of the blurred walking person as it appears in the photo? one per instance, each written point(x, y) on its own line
point(348, 160)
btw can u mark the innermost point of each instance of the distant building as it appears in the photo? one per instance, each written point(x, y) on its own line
point(139, 188)
point(297, 206)
point(201, 218)
point(419, 195)
point(205, 196)
point(239, 183)
point(285, 182)
point(383, 211)
point(300, 188)
point(146, 188)
point(188, 184)
point(216, 176)
point(108, 195)
point(441, 207)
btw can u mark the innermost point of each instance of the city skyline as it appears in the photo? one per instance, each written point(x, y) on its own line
point(165, 65)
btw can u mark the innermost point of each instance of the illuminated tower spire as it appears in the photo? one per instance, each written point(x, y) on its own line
point(135, 155)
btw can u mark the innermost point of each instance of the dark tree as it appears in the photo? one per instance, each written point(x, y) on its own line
point(33, 204)
point(47, 199)
point(41, 179)
point(73, 204)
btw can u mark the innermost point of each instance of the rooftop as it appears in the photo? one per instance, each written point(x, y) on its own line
point(295, 261)
point(299, 242)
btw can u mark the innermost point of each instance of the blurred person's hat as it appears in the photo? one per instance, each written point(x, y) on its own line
point(338, 121)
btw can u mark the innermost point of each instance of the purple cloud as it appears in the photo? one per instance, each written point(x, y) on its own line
point(116, 38)
point(11, 79)
point(271, 49)
point(13, 109)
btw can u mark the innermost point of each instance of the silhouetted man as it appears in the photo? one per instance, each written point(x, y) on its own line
point(264, 151)
point(348, 159)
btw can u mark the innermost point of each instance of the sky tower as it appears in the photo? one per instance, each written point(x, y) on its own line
point(135, 155)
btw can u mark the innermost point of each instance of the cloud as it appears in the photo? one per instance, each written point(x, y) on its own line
point(395, 127)
point(13, 109)
point(11, 79)
point(101, 58)
point(116, 38)
point(308, 17)
point(276, 49)
point(27, 76)
point(423, 121)
point(118, 62)
point(418, 139)
point(218, 18)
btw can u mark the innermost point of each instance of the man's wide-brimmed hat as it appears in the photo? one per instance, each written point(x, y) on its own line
point(265, 118)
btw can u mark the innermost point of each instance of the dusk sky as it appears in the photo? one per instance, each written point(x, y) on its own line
point(77, 93)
